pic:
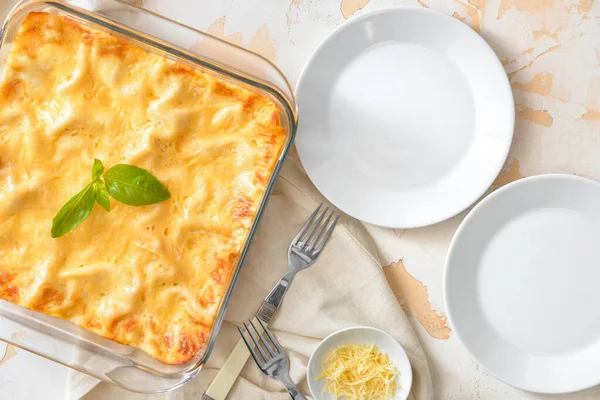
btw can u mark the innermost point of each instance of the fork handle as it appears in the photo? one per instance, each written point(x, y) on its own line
point(296, 396)
point(291, 388)
point(275, 297)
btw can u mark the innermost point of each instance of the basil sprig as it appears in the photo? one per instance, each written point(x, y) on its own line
point(73, 212)
point(134, 186)
point(125, 183)
point(101, 195)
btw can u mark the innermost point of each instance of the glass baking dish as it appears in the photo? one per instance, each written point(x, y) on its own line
point(63, 341)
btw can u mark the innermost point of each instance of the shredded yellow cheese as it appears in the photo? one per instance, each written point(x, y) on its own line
point(359, 372)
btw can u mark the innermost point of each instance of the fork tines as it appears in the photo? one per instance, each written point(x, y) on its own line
point(268, 347)
point(317, 230)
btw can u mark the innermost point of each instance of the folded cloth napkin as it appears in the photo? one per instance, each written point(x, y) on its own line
point(345, 287)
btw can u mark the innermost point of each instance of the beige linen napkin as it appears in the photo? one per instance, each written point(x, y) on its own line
point(345, 287)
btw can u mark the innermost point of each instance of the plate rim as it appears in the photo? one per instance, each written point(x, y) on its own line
point(451, 249)
point(476, 36)
point(311, 359)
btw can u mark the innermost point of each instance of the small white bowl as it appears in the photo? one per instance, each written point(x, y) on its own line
point(360, 335)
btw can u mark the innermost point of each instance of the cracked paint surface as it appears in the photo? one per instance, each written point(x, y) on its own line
point(510, 173)
point(414, 299)
point(349, 7)
point(9, 353)
point(260, 43)
point(540, 117)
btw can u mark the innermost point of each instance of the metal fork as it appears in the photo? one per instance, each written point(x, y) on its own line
point(304, 250)
point(272, 361)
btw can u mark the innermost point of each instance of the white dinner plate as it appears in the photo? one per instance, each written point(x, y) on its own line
point(522, 283)
point(360, 335)
point(406, 117)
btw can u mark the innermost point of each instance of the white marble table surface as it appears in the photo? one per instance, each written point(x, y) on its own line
point(551, 53)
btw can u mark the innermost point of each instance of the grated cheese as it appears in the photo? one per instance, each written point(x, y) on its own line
point(359, 372)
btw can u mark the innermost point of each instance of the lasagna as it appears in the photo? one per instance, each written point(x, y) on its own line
point(151, 277)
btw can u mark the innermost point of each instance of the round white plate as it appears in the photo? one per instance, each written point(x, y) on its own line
point(362, 335)
point(406, 117)
point(522, 283)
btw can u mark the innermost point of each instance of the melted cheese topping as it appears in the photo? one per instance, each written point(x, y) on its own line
point(151, 277)
point(359, 372)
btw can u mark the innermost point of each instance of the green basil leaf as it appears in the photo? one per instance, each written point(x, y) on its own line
point(74, 212)
point(101, 194)
point(97, 168)
point(134, 186)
